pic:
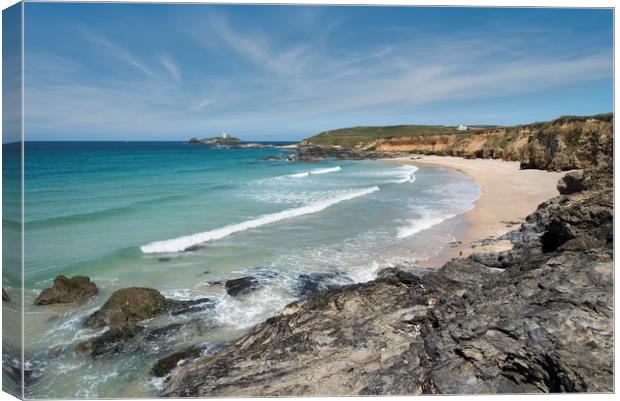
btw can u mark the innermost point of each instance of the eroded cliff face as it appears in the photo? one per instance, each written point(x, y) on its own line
point(563, 144)
point(537, 318)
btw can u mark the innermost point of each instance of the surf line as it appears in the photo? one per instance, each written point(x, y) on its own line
point(181, 243)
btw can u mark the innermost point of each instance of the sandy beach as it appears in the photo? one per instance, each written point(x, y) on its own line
point(507, 195)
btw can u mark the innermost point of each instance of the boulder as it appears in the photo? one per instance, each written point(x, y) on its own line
point(67, 290)
point(166, 364)
point(240, 286)
point(128, 306)
point(124, 310)
point(574, 181)
point(5, 295)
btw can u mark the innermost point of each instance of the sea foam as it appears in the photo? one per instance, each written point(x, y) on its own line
point(315, 172)
point(406, 173)
point(182, 243)
point(416, 226)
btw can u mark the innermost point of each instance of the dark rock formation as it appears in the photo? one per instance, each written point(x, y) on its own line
point(123, 311)
point(166, 364)
point(537, 318)
point(318, 153)
point(313, 283)
point(127, 306)
point(67, 290)
point(240, 286)
point(5, 295)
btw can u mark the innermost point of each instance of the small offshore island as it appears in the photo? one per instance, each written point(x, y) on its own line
point(226, 141)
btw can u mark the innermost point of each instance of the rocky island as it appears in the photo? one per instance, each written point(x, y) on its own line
point(227, 141)
point(223, 140)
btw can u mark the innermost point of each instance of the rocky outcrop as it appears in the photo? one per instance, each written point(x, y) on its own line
point(166, 364)
point(240, 286)
point(121, 314)
point(67, 291)
point(566, 143)
point(537, 318)
point(319, 153)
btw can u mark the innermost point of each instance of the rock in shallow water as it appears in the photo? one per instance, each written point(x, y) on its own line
point(67, 290)
point(240, 286)
point(166, 364)
point(124, 310)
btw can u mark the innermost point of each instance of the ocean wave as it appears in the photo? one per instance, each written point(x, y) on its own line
point(317, 171)
point(406, 174)
point(182, 243)
point(415, 226)
point(399, 175)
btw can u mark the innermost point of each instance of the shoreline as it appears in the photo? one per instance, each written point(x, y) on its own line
point(501, 183)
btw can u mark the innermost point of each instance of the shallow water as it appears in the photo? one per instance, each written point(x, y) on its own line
point(125, 214)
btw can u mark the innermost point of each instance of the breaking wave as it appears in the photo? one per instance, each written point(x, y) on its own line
point(181, 243)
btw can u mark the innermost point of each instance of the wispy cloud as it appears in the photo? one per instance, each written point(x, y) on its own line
point(260, 49)
point(201, 105)
point(170, 66)
point(124, 55)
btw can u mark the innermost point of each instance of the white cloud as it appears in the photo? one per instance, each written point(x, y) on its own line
point(171, 67)
point(124, 55)
point(201, 105)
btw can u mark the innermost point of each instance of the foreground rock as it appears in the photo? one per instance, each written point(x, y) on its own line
point(5, 295)
point(538, 318)
point(121, 314)
point(67, 290)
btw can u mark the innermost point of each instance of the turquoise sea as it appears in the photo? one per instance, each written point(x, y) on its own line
point(180, 218)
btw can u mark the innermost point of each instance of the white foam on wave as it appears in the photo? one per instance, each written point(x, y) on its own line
point(247, 311)
point(299, 175)
point(406, 174)
point(415, 226)
point(398, 175)
point(182, 243)
point(315, 172)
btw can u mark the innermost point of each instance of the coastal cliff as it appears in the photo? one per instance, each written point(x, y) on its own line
point(566, 143)
point(536, 318)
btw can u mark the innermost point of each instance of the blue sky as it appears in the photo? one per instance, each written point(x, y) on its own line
point(170, 72)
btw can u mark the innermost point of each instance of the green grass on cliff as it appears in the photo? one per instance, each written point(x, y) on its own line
point(351, 137)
